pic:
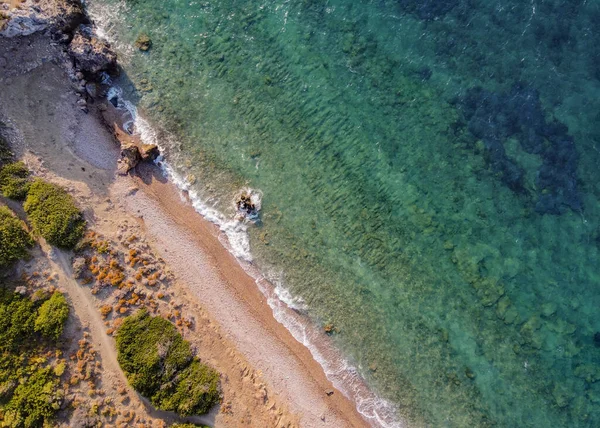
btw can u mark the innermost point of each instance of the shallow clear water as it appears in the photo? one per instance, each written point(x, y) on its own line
point(450, 234)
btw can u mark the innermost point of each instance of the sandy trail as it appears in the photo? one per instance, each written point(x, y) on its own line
point(83, 303)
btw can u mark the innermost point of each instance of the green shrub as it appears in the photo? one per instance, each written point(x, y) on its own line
point(17, 321)
point(54, 215)
point(159, 364)
point(196, 391)
point(34, 401)
point(14, 180)
point(6, 154)
point(14, 239)
point(30, 392)
point(52, 316)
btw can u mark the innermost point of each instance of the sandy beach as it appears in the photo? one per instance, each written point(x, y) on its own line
point(268, 377)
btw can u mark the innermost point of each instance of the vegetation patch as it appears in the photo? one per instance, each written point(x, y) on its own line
point(6, 154)
point(30, 391)
point(54, 214)
point(14, 180)
point(52, 316)
point(14, 239)
point(159, 364)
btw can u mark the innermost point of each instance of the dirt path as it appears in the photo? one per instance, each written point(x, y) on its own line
point(83, 303)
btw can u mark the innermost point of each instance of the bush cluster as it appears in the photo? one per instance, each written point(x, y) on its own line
point(159, 364)
point(14, 239)
point(52, 316)
point(30, 392)
point(54, 215)
point(14, 180)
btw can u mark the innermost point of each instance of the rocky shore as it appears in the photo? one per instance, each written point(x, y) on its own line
point(87, 59)
point(55, 114)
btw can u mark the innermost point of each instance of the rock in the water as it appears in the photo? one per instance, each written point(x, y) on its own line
point(130, 157)
point(92, 54)
point(245, 204)
point(143, 42)
point(149, 152)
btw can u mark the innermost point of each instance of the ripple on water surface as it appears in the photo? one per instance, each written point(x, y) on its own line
point(429, 181)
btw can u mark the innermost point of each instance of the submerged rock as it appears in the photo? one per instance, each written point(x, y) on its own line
point(143, 42)
point(493, 118)
point(92, 54)
point(329, 329)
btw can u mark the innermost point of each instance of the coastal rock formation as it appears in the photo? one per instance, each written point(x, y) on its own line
point(92, 54)
point(130, 157)
point(132, 154)
point(149, 152)
point(248, 203)
point(37, 15)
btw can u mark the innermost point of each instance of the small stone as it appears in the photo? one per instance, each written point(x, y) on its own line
point(143, 42)
point(91, 89)
point(469, 373)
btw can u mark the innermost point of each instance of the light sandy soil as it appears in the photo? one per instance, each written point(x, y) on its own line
point(268, 378)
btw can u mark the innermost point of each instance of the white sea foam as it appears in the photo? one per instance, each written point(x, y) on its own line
point(287, 309)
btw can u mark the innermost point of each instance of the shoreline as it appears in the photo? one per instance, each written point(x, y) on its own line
point(302, 384)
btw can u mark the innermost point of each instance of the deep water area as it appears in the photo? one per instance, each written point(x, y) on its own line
point(429, 172)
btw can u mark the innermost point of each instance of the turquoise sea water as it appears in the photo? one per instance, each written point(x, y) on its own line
point(429, 172)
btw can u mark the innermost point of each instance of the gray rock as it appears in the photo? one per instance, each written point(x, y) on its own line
point(92, 54)
point(91, 89)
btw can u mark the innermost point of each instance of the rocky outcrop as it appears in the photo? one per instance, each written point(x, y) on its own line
point(132, 154)
point(245, 204)
point(149, 152)
point(130, 157)
point(143, 42)
point(248, 204)
point(91, 54)
point(59, 16)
